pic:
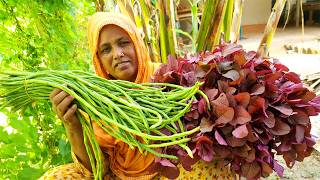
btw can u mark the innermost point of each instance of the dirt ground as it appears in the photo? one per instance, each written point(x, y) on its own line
point(309, 169)
point(302, 64)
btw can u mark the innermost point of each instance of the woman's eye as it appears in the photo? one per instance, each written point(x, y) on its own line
point(106, 50)
point(124, 43)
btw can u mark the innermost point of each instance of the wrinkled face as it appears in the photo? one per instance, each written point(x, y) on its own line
point(117, 53)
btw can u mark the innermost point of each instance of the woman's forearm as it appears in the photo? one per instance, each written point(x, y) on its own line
point(75, 136)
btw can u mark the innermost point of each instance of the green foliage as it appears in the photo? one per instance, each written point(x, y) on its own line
point(37, 35)
point(44, 34)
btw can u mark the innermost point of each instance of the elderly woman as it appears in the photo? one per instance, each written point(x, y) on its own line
point(118, 52)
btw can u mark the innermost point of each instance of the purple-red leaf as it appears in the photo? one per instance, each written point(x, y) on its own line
point(220, 139)
point(232, 74)
point(202, 106)
point(240, 132)
point(204, 148)
point(278, 168)
point(257, 89)
point(256, 104)
point(243, 99)
point(221, 100)
point(206, 125)
point(230, 49)
point(211, 93)
point(300, 133)
point(284, 109)
point(280, 128)
point(300, 117)
point(270, 120)
point(241, 116)
point(250, 170)
point(225, 114)
point(291, 76)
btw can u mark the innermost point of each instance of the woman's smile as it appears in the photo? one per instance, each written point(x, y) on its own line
point(122, 64)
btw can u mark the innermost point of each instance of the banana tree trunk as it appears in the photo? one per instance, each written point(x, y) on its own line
point(271, 28)
point(236, 21)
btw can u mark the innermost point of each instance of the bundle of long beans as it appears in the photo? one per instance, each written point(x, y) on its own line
point(133, 113)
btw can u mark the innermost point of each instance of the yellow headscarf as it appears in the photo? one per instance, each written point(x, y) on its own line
point(97, 22)
point(126, 163)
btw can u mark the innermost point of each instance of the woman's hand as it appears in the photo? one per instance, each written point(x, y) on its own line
point(62, 106)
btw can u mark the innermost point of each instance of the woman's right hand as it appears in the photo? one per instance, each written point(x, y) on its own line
point(62, 106)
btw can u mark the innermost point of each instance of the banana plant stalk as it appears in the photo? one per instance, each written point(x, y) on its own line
point(215, 31)
point(166, 29)
point(126, 8)
point(236, 21)
point(270, 28)
point(227, 22)
point(170, 11)
point(194, 20)
point(206, 20)
point(162, 31)
point(99, 5)
point(149, 29)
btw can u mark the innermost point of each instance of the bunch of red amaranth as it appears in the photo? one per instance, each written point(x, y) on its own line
point(258, 109)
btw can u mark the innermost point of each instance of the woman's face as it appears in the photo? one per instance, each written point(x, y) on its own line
point(117, 53)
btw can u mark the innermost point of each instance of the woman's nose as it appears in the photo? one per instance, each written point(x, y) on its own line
point(118, 53)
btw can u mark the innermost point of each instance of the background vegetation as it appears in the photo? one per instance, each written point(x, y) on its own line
point(34, 35)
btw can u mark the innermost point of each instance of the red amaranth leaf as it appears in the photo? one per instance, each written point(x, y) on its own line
point(291, 76)
point(235, 142)
point(232, 74)
point(186, 160)
point(281, 67)
point(220, 139)
point(256, 104)
point(202, 106)
point(284, 109)
point(248, 81)
point(241, 116)
point(250, 170)
point(242, 151)
point(290, 157)
point(240, 132)
point(300, 133)
point(224, 113)
point(211, 93)
point(257, 89)
point(258, 108)
point(232, 101)
point(243, 99)
point(239, 58)
point(204, 148)
point(206, 125)
point(308, 96)
point(270, 120)
point(284, 146)
point(278, 168)
point(222, 86)
point(221, 100)
point(266, 169)
point(230, 49)
point(300, 117)
point(252, 136)
point(271, 78)
point(165, 168)
point(280, 128)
